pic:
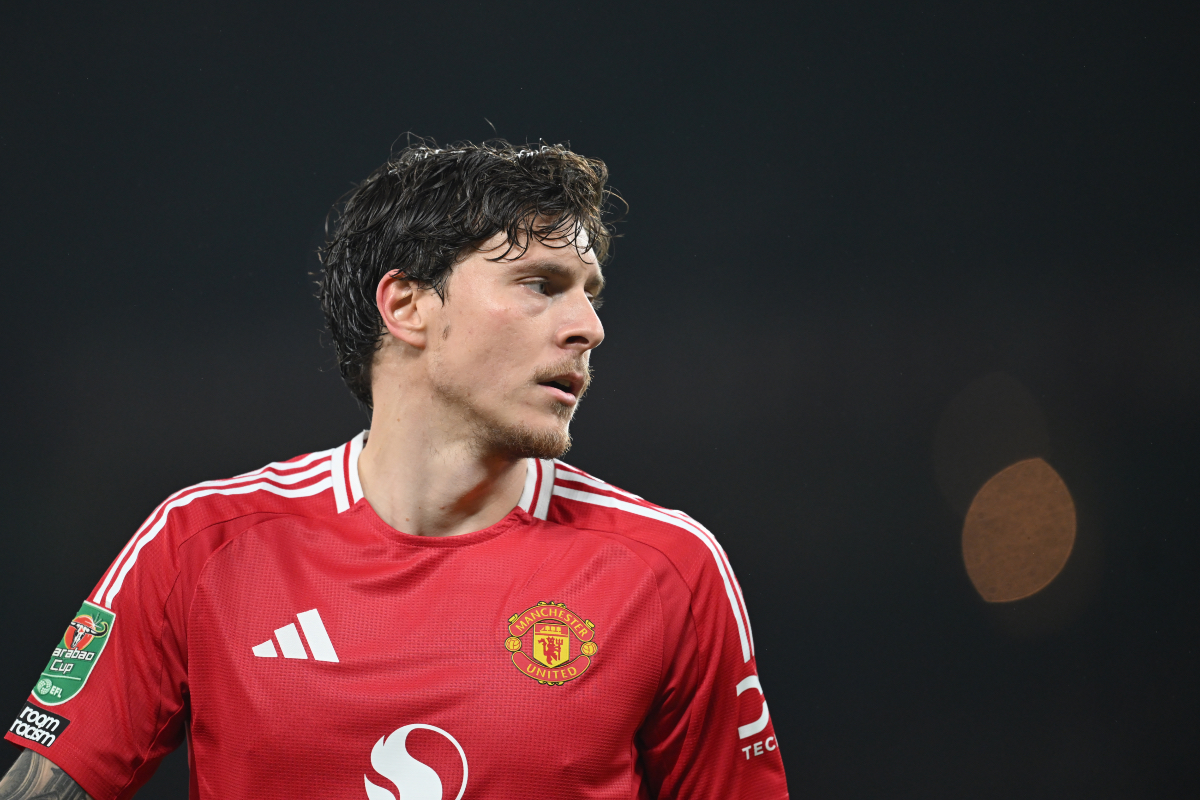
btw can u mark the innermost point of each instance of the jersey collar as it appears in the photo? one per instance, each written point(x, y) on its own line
point(539, 485)
point(347, 489)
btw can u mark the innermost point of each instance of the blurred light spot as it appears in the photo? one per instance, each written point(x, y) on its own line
point(1019, 531)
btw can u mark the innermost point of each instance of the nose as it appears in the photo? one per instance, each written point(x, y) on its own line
point(581, 329)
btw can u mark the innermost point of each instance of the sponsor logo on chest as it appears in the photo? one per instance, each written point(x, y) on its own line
point(413, 778)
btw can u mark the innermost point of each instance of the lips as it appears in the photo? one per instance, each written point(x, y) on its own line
point(567, 387)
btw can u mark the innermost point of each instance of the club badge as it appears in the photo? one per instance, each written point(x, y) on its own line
point(550, 643)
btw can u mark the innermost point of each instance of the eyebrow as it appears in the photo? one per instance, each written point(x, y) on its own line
point(554, 268)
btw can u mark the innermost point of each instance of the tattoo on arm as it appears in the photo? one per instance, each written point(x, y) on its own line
point(34, 777)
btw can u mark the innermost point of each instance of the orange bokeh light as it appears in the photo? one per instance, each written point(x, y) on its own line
point(1019, 531)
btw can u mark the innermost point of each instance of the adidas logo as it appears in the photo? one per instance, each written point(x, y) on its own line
point(293, 646)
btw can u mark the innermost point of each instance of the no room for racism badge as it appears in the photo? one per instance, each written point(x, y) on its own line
point(550, 643)
point(77, 653)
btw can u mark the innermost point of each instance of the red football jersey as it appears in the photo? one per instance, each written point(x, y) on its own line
point(588, 645)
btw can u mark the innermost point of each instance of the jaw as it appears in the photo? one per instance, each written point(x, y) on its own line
point(527, 427)
point(540, 428)
point(513, 442)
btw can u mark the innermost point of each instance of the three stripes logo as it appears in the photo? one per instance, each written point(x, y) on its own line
point(292, 645)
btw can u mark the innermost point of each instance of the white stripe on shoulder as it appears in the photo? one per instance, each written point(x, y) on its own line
point(148, 536)
point(303, 461)
point(588, 480)
point(737, 586)
point(265, 472)
point(685, 524)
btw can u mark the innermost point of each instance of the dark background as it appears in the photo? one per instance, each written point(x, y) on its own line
point(875, 253)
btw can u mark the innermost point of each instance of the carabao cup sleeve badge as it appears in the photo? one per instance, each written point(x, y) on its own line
point(551, 643)
point(75, 656)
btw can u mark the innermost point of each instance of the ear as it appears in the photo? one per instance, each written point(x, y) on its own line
point(396, 299)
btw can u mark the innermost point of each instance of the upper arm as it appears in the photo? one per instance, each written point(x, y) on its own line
point(36, 777)
point(111, 701)
point(709, 734)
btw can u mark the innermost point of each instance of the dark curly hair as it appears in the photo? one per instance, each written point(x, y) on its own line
point(427, 208)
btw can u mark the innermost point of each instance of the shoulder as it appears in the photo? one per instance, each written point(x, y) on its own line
point(584, 501)
point(207, 515)
point(302, 486)
point(694, 554)
point(591, 503)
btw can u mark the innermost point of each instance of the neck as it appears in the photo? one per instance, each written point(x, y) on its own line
point(423, 484)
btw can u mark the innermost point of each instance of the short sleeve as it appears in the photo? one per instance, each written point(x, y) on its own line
point(111, 701)
point(709, 734)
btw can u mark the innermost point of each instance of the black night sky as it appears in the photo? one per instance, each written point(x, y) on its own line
point(875, 253)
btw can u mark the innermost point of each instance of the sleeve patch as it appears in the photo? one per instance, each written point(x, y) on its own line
point(39, 726)
point(75, 656)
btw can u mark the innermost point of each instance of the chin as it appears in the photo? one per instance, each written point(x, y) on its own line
point(524, 441)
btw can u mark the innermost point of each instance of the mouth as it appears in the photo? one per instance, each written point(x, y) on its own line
point(566, 388)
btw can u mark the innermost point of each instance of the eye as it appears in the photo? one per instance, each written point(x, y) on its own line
point(596, 302)
point(538, 286)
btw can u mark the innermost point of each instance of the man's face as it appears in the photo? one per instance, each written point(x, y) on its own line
point(508, 351)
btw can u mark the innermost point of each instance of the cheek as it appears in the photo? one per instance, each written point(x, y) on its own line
point(486, 349)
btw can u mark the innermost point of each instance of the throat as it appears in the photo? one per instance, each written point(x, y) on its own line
point(434, 493)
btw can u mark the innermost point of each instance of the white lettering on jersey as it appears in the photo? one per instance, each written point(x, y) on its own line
point(413, 780)
point(745, 731)
point(758, 748)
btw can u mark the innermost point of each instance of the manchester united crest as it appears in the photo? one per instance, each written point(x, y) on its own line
point(550, 643)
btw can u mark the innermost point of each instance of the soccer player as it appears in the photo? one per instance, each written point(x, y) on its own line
point(437, 609)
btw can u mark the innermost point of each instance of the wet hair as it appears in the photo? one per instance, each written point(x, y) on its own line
point(427, 208)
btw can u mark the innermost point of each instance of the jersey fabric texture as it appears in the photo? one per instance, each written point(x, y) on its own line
point(589, 645)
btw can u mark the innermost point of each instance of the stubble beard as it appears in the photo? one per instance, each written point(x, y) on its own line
point(496, 439)
point(519, 441)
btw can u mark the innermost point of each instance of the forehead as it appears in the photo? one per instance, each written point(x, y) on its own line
point(563, 254)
